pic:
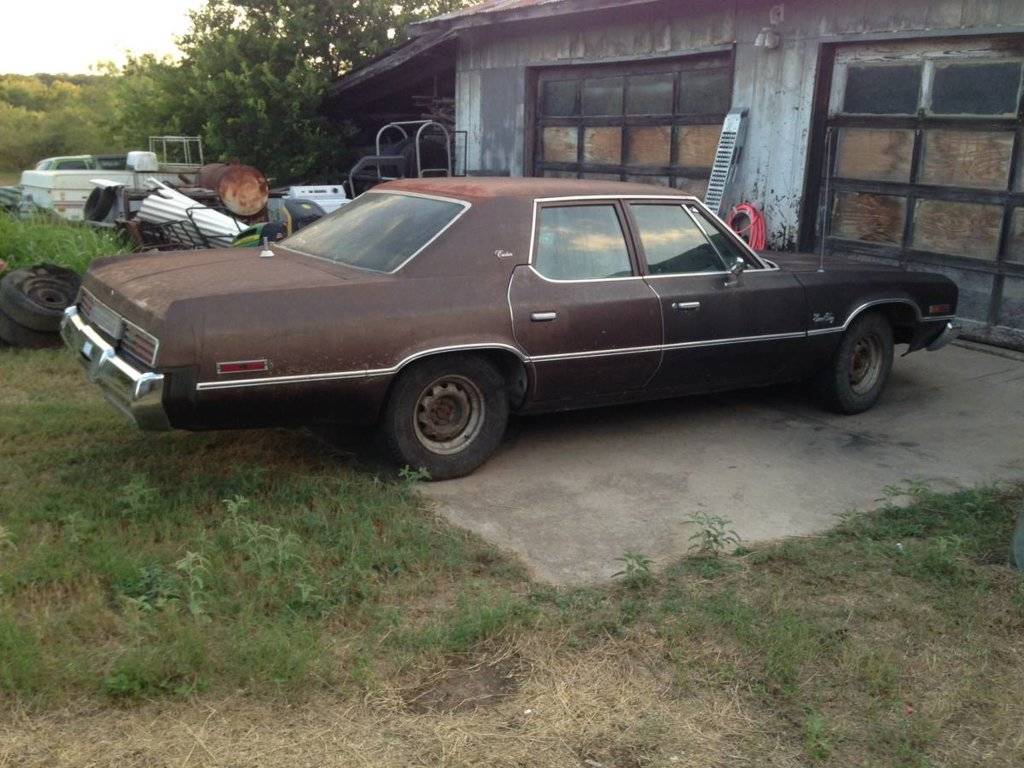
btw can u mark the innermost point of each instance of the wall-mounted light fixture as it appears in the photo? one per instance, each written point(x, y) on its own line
point(769, 36)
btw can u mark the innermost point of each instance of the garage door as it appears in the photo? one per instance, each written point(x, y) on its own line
point(657, 123)
point(923, 160)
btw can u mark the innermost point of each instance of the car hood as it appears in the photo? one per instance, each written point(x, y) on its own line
point(810, 262)
point(146, 284)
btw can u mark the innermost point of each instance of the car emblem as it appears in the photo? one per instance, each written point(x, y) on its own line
point(502, 254)
point(823, 317)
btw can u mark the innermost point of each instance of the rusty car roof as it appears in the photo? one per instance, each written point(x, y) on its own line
point(482, 189)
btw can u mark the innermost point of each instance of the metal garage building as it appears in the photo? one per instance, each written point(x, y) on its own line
point(893, 129)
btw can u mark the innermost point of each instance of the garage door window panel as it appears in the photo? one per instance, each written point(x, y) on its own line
point(559, 98)
point(976, 89)
point(979, 159)
point(673, 243)
point(582, 242)
point(603, 96)
point(602, 146)
point(874, 89)
point(869, 218)
point(561, 144)
point(959, 229)
point(649, 94)
point(873, 154)
point(650, 145)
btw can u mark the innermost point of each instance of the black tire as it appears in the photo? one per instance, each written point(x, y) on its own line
point(37, 297)
point(446, 415)
point(20, 336)
point(98, 204)
point(860, 367)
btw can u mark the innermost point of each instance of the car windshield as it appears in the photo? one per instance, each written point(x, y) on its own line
point(376, 231)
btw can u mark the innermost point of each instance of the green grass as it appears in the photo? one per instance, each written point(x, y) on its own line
point(144, 565)
point(139, 567)
point(24, 243)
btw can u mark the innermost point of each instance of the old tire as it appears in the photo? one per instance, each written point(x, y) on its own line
point(19, 336)
point(860, 367)
point(37, 297)
point(98, 204)
point(446, 415)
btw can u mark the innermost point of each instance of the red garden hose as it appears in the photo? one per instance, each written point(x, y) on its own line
point(748, 222)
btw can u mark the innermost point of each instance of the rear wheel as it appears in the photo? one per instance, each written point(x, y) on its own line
point(446, 415)
point(860, 367)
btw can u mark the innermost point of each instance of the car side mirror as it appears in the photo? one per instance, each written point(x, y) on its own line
point(735, 270)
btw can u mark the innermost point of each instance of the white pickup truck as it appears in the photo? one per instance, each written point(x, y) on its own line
point(66, 183)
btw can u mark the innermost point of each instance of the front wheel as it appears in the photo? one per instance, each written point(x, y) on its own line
point(860, 368)
point(446, 415)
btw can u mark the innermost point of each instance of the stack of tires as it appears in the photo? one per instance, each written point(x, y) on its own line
point(32, 302)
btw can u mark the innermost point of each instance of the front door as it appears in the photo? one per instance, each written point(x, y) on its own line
point(721, 331)
point(580, 310)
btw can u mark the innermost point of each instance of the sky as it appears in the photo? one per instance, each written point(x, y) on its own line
point(71, 35)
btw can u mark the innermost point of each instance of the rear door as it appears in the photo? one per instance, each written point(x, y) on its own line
point(720, 331)
point(590, 323)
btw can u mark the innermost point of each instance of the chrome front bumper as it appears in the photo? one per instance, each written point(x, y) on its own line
point(137, 394)
point(949, 333)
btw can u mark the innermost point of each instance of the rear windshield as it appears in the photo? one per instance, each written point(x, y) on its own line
point(376, 231)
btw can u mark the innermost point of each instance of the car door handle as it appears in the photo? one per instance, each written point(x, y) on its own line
point(686, 306)
point(543, 317)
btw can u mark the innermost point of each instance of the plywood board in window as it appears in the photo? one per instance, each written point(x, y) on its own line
point(649, 145)
point(967, 158)
point(870, 218)
point(959, 229)
point(560, 144)
point(697, 145)
point(661, 181)
point(602, 145)
point(874, 154)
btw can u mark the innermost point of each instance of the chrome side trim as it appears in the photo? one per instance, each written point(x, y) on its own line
point(465, 207)
point(867, 305)
point(670, 347)
point(360, 374)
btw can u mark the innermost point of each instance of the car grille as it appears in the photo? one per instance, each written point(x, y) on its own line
point(132, 339)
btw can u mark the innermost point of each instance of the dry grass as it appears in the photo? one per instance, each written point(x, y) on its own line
point(10, 178)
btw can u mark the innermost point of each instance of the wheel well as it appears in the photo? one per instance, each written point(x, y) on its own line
point(901, 317)
point(511, 367)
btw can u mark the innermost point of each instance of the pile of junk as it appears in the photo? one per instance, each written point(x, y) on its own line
point(225, 204)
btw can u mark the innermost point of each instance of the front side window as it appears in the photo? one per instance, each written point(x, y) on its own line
point(672, 241)
point(725, 245)
point(582, 242)
point(376, 231)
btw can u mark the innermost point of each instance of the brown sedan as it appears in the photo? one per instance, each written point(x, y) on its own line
point(435, 307)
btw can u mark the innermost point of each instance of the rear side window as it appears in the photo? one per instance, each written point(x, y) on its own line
point(672, 241)
point(376, 231)
point(582, 242)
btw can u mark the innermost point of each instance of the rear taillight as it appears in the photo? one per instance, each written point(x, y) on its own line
point(940, 309)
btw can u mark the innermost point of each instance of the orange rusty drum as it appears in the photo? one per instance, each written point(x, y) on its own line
point(242, 188)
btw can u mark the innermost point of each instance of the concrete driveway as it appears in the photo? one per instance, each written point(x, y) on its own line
point(571, 492)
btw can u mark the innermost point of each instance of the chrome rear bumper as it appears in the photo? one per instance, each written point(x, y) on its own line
point(137, 394)
point(950, 332)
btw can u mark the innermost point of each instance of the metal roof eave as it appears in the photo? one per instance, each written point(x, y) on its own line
point(503, 12)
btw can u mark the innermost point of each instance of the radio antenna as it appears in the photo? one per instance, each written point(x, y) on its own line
point(828, 199)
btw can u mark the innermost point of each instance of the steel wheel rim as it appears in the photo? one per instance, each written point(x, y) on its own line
point(449, 414)
point(866, 363)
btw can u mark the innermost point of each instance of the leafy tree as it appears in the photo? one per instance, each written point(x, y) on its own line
point(42, 116)
point(253, 74)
